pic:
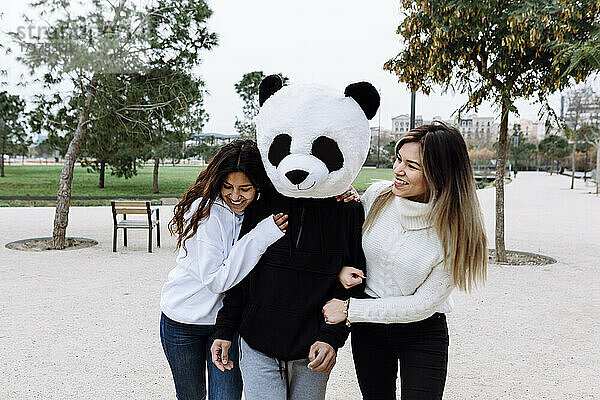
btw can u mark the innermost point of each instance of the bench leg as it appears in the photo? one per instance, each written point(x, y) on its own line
point(115, 240)
point(157, 235)
point(150, 240)
point(125, 237)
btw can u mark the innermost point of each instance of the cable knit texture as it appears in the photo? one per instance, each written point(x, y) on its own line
point(406, 275)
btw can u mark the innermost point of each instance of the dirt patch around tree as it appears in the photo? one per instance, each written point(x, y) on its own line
point(43, 244)
point(521, 258)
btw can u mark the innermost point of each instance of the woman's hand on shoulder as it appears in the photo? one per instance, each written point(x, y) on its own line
point(350, 277)
point(281, 221)
point(349, 195)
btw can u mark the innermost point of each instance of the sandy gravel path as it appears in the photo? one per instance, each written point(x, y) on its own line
point(84, 324)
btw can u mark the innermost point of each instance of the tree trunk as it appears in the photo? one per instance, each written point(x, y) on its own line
point(63, 202)
point(2, 165)
point(500, 164)
point(101, 178)
point(155, 174)
point(573, 165)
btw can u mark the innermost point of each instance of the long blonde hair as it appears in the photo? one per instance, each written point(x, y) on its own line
point(455, 212)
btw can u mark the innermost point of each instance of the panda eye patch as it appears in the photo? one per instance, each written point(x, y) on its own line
point(327, 150)
point(280, 148)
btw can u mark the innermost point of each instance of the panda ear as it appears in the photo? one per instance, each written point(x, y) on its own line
point(365, 95)
point(268, 86)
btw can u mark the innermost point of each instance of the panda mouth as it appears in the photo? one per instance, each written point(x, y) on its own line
point(310, 187)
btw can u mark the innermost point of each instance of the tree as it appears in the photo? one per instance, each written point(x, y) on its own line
point(247, 88)
point(590, 129)
point(82, 44)
point(12, 132)
point(168, 127)
point(107, 131)
point(554, 147)
point(495, 50)
point(43, 149)
point(582, 106)
point(591, 134)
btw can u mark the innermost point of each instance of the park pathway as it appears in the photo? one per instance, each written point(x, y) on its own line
point(84, 324)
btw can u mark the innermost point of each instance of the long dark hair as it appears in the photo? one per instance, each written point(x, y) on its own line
point(236, 156)
point(455, 212)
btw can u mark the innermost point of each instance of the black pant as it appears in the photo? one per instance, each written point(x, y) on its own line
point(421, 347)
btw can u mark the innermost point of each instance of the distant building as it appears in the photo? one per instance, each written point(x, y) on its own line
point(214, 138)
point(480, 132)
point(534, 131)
point(401, 123)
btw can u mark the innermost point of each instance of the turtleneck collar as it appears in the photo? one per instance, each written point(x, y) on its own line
point(413, 215)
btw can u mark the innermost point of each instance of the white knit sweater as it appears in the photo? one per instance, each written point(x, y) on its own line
point(406, 274)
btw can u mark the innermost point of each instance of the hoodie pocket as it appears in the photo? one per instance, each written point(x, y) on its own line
point(300, 286)
point(313, 262)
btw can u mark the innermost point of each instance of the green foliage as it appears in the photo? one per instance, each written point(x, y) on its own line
point(13, 139)
point(43, 149)
point(554, 147)
point(500, 50)
point(247, 88)
point(165, 106)
point(202, 150)
point(581, 52)
point(146, 100)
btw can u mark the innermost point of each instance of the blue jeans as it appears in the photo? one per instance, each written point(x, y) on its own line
point(187, 348)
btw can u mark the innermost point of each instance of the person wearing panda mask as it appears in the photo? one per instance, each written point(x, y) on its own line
point(313, 141)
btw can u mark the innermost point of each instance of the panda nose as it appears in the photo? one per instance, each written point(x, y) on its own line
point(296, 176)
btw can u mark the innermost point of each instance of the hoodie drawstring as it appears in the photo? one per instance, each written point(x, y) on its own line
point(321, 233)
point(283, 370)
point(289, 235)
point(301, 226)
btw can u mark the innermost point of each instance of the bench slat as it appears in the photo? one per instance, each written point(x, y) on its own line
point(135, 224)
point(130, 211)
point(130, 203)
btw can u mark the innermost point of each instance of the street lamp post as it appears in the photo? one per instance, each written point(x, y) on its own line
point(413, 96)
point(585, 163)
point(516, 142)
point(378, 135)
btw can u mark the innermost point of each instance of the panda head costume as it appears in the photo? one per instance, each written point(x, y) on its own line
point(313, 140)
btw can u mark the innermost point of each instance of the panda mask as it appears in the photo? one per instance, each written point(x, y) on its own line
point(313, 140)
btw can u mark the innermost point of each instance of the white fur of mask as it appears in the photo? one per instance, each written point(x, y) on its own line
point(306, 113)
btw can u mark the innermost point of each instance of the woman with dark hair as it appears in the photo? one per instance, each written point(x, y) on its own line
point(211, 260)
point(422, 237)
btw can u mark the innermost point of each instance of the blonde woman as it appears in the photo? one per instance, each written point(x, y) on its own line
point(422, 237)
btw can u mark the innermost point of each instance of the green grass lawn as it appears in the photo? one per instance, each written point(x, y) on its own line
point(42, 180)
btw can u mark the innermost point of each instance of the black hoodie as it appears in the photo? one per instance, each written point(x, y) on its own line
point(277, 307)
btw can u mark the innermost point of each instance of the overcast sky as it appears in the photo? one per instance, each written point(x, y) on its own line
point(331, 42)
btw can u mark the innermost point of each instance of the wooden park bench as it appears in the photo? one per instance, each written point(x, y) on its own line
point(135, 207)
